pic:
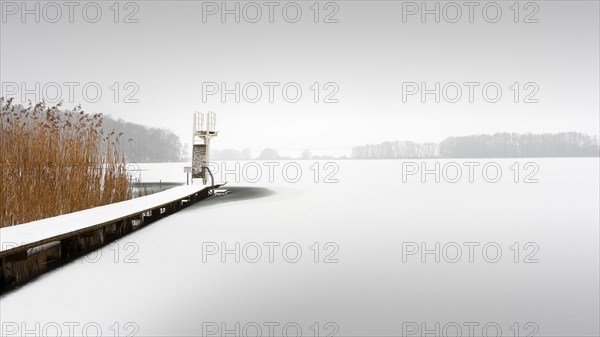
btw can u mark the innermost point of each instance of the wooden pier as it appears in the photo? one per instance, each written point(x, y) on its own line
point(30, 249)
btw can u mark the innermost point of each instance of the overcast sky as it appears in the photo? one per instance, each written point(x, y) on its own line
point(370, 56)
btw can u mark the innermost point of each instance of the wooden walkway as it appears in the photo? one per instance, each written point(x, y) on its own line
point(29, 249)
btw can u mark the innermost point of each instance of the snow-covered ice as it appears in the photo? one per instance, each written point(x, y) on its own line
point(161, 280)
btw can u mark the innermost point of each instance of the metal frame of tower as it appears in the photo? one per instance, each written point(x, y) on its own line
point(203, 133)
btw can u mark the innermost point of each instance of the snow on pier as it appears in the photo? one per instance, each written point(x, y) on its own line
point(51, 229)
point(30, 249)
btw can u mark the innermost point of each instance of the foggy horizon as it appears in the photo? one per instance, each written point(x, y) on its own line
point(162, 80)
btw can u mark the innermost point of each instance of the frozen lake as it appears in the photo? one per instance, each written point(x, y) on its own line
point(370, 254)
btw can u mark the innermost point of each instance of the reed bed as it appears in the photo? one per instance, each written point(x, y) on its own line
point(54, 162)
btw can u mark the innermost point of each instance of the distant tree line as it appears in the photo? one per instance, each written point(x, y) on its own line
point(395, 150)
point(245, 154)
point(143, 144)
point(265, 154)
point(230, 154)
point(499, 145)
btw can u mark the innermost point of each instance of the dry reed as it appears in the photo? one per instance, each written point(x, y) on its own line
point(54, 162)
